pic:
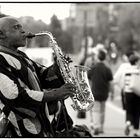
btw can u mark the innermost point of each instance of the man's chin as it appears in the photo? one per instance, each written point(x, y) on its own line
point(21, 46)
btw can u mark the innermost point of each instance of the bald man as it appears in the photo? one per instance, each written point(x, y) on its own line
point(22, 82)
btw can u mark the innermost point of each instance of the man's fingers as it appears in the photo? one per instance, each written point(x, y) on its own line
point(67, 90)
point(69, 86)
point(65, 97)
point(69, 94)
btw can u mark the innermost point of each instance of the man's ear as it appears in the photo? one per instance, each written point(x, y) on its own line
point(2, 35)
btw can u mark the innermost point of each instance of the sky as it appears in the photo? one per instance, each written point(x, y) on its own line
point(43, 11)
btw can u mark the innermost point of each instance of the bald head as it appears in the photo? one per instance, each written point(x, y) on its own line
point(5, 22)
point(11, 33)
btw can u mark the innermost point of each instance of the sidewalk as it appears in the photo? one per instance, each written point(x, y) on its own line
point(114, 120)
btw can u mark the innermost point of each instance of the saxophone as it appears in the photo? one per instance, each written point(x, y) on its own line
point(83, 99)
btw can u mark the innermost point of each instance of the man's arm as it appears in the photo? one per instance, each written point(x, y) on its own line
point(23, 99)
point(19, 98)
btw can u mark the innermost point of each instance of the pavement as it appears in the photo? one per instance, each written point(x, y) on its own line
point(115, 116)
point(114, 119)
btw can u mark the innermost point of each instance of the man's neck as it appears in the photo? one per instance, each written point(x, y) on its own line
point(9, 50)
point(4, 47)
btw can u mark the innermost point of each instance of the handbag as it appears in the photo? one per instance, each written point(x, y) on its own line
point(78, 131)
point(63, 126)
point(53, 107)
point(63, 121)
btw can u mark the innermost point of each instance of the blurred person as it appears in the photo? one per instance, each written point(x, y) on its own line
point(132, 99)
point(120, 74)
point(23, 98)
point(113, 52)
point(91, 60)
point(100, 46)
point(101, 79)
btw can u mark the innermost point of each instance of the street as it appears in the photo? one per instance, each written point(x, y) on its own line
point(114, 115)
point(114, 119)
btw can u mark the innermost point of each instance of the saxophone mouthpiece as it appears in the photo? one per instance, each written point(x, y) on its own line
point(30, 35)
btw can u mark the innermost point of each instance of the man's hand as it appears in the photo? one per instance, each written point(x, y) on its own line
point(60, 93)
point(65, 91)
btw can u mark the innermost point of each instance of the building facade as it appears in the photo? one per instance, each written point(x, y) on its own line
point(89, 19)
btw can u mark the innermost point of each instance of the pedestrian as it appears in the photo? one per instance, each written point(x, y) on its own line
point(132, 99)
point(119, 76)
point(90, 62)
point(101, 78)
point(24, 102)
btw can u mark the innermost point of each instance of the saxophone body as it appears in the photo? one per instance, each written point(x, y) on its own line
point(83, 99)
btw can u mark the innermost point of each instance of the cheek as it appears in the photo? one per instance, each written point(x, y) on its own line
point(18, 41)
point(13, 37)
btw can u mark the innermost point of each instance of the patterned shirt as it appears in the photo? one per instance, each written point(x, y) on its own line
point(21, 84)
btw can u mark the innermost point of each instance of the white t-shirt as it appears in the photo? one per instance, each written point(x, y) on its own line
point(120, 73)
point(129, 77)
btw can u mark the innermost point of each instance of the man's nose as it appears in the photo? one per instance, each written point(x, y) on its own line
point(22, 31)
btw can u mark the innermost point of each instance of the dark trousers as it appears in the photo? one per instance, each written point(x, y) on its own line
point(133, 109)
point(123, 100)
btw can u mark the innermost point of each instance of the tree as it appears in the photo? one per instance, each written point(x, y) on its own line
point(55, 27)
point(35, 26)
point(129, 26)
point(102, 28)
point(2, 15)
point(63, 38)
point(55, 23)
